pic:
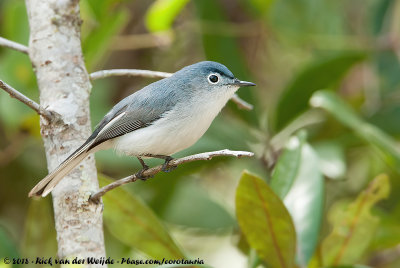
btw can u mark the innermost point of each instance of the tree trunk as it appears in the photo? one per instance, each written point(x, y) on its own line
point(56, 55)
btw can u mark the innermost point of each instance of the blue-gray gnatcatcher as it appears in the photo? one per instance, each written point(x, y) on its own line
point(163, 118)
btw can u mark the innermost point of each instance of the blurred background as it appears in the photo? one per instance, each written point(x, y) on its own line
point(291, 50)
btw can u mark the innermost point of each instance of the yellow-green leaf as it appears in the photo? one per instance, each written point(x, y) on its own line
point(162, 13)
point(265, 222)
point(353, 225)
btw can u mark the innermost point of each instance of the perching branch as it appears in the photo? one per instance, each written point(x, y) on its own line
point(24, 99)
point(13, 45)
point(154, 74)
point(173, 163)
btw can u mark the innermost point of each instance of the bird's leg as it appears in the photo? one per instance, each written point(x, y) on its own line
point(167, 159)
point(139, 174)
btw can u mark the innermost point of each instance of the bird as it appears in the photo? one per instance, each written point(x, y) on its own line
point(158, 120)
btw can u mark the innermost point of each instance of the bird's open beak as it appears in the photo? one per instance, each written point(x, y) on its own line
point(243, 83)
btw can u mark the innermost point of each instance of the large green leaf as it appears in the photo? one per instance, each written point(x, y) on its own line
point(162, 13)
point(287, 166)
point(385, 144)
point(265, 222)
point(200, 212)
point(320, 74)
point(135, 224)
point(353, 225)
point(305, 203)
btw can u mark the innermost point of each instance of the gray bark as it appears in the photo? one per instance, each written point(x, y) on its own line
point(56, 55)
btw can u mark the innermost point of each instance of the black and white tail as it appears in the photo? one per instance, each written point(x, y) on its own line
point(46, 185)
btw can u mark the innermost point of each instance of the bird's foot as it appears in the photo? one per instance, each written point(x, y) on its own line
point(166, 167)
point(142, 177)
point(139, 174)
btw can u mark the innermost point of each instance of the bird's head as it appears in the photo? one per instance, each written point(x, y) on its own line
point(209, 76)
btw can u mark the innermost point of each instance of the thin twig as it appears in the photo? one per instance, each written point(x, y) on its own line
point(242, 104)
point(24, 99)
point(173, 163)
point(129, 73)
point(154, 74)
point(13, 45)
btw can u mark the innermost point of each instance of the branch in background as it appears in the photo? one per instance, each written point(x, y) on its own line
point(153, 74)
point(13, 45)
point(140, 41)
point(13, 149)
point(241, 103)
point(129, 73)
point(24, 99)
point(173, 163)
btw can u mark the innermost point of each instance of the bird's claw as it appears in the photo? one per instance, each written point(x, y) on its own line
point(166, 167)
point(142, 177)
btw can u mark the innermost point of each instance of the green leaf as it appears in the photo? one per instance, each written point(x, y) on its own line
point(287, 166)
point(380, 11)
point(100, 9)
point(353, 225)
point(385, 144)
point(320, 74)
point(162, 13)
point(39, 238)
point(305, 203)
point(265, 222)
point(14, 21)
point(331, 158)
point(136, 225)
point(100, 39)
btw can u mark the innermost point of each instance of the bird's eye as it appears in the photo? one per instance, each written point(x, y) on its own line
point(213, 78)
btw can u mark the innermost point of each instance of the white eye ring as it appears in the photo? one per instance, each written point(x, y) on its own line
point(213, 78)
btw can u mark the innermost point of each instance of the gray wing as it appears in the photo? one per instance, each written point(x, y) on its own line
point(136, 111)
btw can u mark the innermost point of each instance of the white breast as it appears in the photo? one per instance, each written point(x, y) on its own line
point(176, 130)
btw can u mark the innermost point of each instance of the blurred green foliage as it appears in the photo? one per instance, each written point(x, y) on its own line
point(325, 123)
point(354, 226)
